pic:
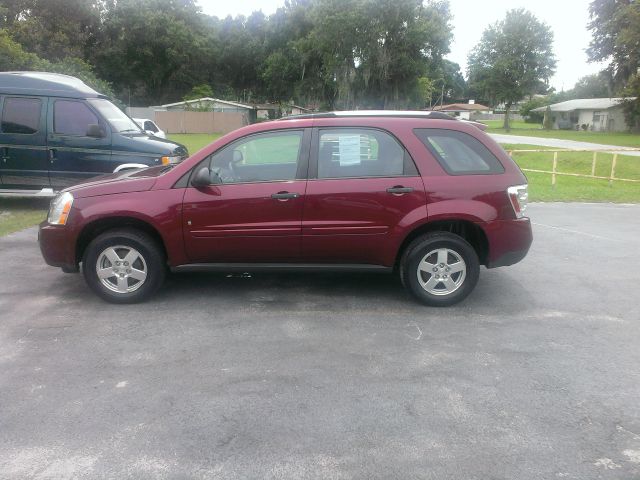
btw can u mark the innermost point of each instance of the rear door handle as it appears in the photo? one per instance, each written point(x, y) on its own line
point(399, 190)
point(283, 196)
point(52, 154)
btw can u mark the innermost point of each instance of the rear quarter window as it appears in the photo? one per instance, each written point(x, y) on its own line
point(459, 153)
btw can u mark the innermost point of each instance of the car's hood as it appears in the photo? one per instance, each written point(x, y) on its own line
point(122, 182)
point(148, 144)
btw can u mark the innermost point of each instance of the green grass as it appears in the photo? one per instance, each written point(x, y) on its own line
point(621, 139)
point(19, 213)
point(577, 189)
point(496, 125)
point(194, 141)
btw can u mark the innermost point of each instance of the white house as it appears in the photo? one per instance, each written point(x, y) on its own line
point(464, 111)
point(595, 114)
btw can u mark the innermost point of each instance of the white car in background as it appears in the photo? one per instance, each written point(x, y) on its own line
point(150, 127)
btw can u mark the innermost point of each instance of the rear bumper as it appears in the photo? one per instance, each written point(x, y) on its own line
point(57, 247)
point(509, 241)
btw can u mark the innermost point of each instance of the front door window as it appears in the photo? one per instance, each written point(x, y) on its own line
point(260, 158)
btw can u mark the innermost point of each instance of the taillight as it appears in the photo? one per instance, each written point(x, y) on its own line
point(518, 195)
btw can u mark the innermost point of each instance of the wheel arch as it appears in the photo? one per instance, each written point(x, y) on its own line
point(468, 230)
point(101, 225)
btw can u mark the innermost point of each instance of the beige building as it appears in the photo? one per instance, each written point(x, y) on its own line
point(594, 114)
point(465, 111)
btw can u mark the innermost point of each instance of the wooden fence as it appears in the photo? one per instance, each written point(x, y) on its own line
point(554, 171)
point(200, 122)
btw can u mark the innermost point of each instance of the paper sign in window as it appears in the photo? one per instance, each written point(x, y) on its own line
point(349, 149)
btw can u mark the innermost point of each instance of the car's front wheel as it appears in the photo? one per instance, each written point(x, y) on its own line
point(440, 269)
point(124, 266)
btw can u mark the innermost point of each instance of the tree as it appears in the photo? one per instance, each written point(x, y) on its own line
point(631, 104)
point(513, 59)
point(425, 90)
point(615, 27)
point(592, 86)
point(454, 84)
point(52, 29)
point(548, 121)
point(526, 109)
point(199, 91)
point(328, 53)
point(13, 57)
point(153, 50)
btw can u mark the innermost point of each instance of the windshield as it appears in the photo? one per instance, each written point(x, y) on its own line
point(116, 117)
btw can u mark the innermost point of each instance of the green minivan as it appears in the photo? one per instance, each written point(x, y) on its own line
point(55, 131)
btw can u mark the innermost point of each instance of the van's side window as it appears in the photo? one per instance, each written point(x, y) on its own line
point(72, 118)
point(21, 115)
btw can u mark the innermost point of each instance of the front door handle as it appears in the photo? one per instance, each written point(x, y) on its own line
point(284, 196)
point(52, 155)
point(399, 190)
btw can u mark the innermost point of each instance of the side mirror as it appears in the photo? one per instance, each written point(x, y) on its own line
point(202, 178)
point(237, 156)
point(149, 132)
point(94, 130)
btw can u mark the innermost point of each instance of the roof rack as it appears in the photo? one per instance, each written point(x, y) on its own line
point(374, 113)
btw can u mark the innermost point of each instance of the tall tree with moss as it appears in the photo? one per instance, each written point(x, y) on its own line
point(615, 27)
point(513, 59)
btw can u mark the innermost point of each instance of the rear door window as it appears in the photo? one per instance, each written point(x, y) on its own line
point(360, 153)
point(72, 118)
point(21, 115)
point(459, 153)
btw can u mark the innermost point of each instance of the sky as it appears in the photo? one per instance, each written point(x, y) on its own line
point(567, 18)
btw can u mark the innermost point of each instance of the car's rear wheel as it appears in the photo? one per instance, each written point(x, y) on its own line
point(124, 266)
point(440, 269)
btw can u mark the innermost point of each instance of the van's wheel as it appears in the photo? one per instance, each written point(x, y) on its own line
point(439, 269)
point(124, 266)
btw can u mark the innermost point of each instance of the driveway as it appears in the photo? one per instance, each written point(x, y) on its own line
point(558, 143)
point(535, 376)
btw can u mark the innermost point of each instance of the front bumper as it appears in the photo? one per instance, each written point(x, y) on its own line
point(56, 246)
point(509, 241)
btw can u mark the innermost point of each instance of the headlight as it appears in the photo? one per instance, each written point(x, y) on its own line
point(171, 159)
point(60, 208)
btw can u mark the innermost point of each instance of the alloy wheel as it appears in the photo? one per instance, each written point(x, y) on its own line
point(121, 269)
point(441, 271)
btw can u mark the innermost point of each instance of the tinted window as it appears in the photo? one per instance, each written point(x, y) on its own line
point(21, 115)
point(72, 118)
point(459, 153)
point(258, 158)
point(361, 153)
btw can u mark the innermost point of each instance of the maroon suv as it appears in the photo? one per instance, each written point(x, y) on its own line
point(424, 195)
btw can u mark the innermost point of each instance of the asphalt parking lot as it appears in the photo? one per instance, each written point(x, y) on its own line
point(535, 376)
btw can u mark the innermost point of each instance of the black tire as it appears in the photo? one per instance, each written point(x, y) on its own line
point(151, 258)
point(424, 245)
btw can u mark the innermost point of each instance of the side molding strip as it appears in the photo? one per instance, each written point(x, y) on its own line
point(280, 267)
